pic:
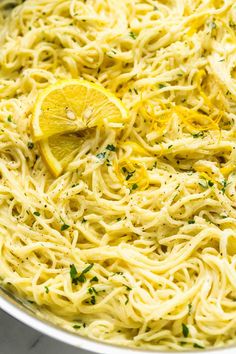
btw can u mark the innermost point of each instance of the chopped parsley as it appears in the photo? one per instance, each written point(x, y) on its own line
point(111, 147)
point(92, 290)
point(46, 289)
point(79, 278)
point(30, 145)
point(185, 330)
point(94, 279)
point(224, 185)
point(9, 118)
point(191, 222)
point(93, 300)
point(84, 221)
point(190, 306)
point(132, 35)
point(198, 135)
point(101, 155)
point(205, 184)
point(64, 227)
point(77, 326)
point(73, 273)
point(129, 173)
point(36, 213)
point(170, 146)
point(161, 86)
point(134, 186)
point(128, 287)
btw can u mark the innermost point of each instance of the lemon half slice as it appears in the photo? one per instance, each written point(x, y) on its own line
point(63, 115)
point(73, 105)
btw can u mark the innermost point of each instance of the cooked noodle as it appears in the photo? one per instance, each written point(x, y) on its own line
point(155, 218)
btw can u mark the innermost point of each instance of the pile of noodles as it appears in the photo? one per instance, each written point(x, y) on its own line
point(135, 244)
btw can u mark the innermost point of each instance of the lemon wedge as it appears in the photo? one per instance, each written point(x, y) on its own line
point(58, 151)
point(63, 115)
point(73, 105)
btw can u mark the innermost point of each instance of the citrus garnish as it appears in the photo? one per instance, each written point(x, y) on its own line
point(58, 151)
point(65, 109)
point(73, 105)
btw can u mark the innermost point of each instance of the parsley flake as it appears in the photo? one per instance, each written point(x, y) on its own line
point(93, 300)
point(94, 279)
point(111, 147)
point(190, 309)
point(132, 35)
point(210, 184)
point(198, 135)
point(64, 227)
point(101, 155)
point(79, 278)
point(134, 186)
point(30, 145)
point(46, 289)
point(77, 326)
point(185, 330)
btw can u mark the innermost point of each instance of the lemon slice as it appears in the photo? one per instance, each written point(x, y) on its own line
point(73, 105)
point(58, 151)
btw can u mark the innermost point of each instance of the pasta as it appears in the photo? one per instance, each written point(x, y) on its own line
point(135, 244)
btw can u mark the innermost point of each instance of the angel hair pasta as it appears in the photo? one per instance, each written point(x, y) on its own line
point(135, 242)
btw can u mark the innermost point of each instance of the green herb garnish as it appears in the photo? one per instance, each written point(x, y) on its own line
point(185, 330)
point(30, 145)
point(36, 213)
point(190, 308)
point(77, 326)
point(111, 147)
point(132, 35)
point(101, 155)
point(79, 278)
point(92, 290)
point(46, 289)
point(64, 227)
point(94, 279)
point(198, 135)
point(224, 184)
